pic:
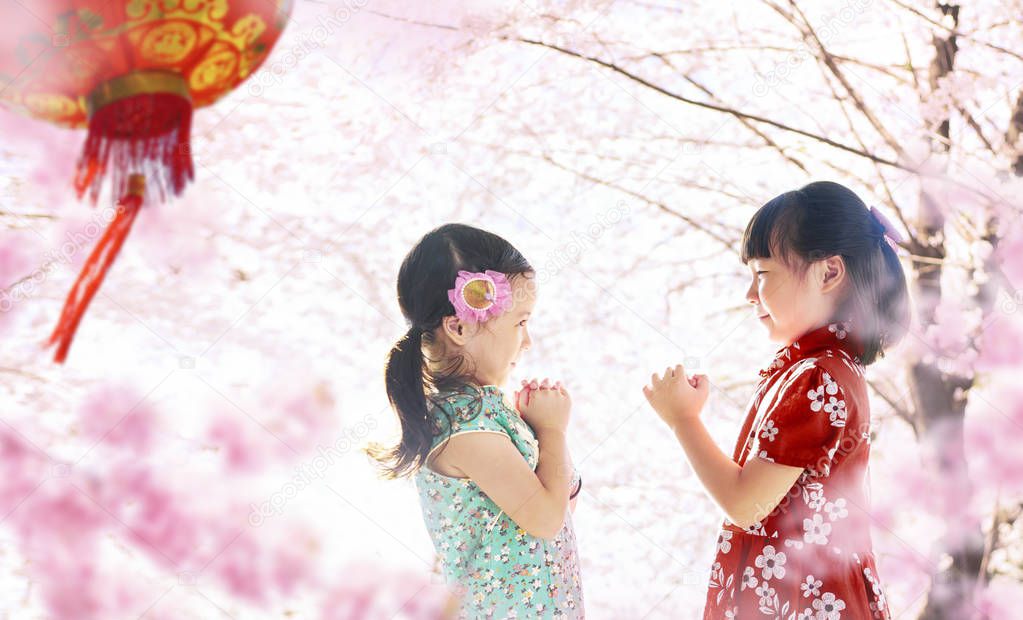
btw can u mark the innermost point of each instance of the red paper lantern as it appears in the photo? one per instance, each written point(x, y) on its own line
point(131, 71)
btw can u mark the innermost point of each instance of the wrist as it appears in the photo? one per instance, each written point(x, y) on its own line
point(550, 433)
point(683, 425)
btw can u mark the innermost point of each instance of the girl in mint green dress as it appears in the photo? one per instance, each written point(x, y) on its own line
point(496, 485)
point(508, 572)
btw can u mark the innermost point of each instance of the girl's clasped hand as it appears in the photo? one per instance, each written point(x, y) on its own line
point(676, 397)
point(543, 405)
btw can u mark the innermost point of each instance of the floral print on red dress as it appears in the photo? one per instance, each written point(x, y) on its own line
point(811, 557)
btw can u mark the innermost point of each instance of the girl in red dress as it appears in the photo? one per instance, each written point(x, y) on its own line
point(828, 286)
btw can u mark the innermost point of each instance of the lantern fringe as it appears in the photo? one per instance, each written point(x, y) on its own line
point(95, 269)
point(147, 134)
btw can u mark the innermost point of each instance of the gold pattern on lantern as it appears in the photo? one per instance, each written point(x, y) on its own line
point(168, 43)
point(249, 28)
point(54, 107)
point(203, 13)
point(161, 9)
point(215, 71)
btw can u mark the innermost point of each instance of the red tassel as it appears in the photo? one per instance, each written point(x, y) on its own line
point(146, 134)
point(139, 126)
point(95, 268)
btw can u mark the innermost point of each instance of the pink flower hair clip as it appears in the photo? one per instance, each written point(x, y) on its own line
point(478, 297)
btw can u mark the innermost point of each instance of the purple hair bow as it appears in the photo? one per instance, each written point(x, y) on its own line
point(892, 234)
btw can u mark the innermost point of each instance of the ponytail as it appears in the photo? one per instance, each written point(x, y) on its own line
point(403, 378)
point(880, 297)
point(892, 303)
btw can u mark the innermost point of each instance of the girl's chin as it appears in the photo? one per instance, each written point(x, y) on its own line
point(772, 333)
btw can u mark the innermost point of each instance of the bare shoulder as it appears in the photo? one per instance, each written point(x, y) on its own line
point(467, 451)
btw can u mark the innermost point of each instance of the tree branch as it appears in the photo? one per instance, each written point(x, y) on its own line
point(717, 108)
point(826, 57)
point(954, 31)
point(729, 244)
point(745, 123)
point(905, 414)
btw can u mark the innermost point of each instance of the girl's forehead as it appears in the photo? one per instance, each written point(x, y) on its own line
point(525, 284)
point(524, 290)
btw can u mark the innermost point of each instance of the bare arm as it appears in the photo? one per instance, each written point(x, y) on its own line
point(536, 501)
point(746, 494)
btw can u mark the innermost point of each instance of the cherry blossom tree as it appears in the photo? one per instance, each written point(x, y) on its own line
point(920, 108)
point(201, 446)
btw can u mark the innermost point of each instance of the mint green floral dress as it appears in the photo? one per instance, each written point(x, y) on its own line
point(503, 571)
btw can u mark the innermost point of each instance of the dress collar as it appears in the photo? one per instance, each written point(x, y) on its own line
point(838, 335)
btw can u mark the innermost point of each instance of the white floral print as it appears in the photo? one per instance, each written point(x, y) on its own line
point(830, 385)
point(816, 531)
point(816, 396)
point(824, 395)
point(811, 586)
point(768, 597)
point(813, 495)
point(771, 563)
point(835, 408)
point(839, 329)
point(836, 510)
point(879, 606)
point(749, 579)
point(716, 575)
point(724, 546)
point(828, 607)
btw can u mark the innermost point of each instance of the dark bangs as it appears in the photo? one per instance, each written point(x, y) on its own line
point(772, 231)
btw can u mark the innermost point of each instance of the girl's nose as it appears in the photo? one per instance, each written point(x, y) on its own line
point(751, 293)
point(526, 341)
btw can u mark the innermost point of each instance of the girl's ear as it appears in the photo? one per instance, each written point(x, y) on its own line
point(832, 273)
point(455, 329)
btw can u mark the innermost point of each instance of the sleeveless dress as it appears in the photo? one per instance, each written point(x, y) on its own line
point(811, 557)
point(500, 570)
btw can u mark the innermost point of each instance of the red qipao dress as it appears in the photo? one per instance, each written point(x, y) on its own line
point(811, 556)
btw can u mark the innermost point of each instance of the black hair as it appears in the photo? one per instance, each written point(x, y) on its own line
point(825, 219)
point(427, 273)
